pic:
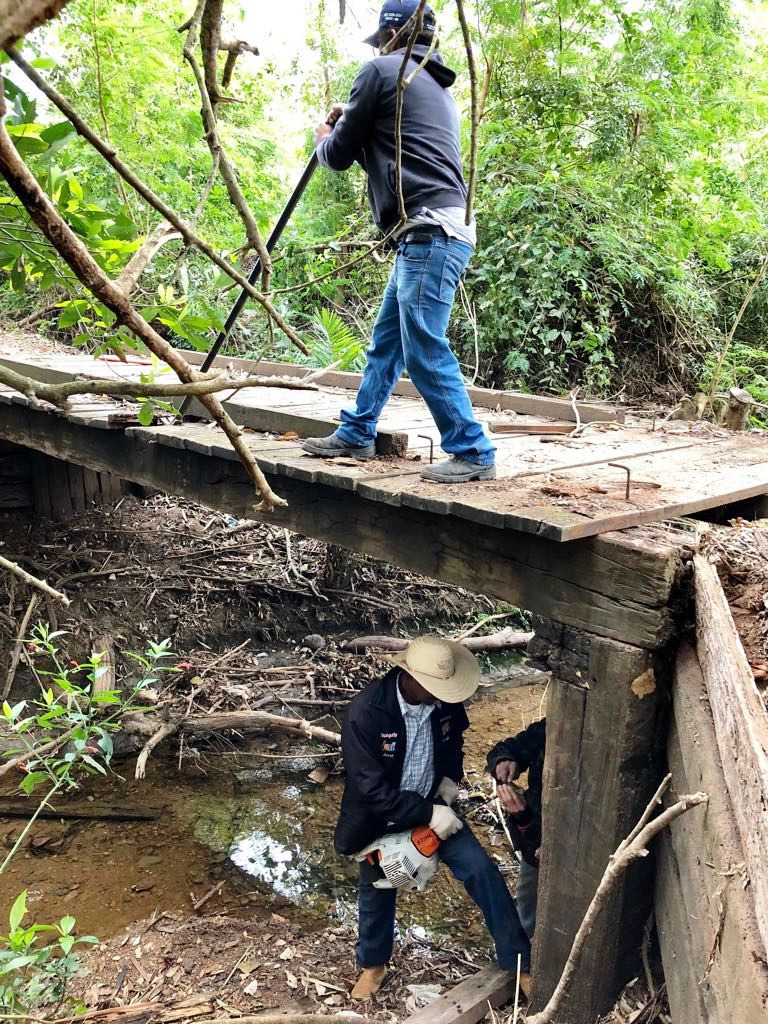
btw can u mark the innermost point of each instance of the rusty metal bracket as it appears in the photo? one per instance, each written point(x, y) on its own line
point(628, 471)
point(426, 437)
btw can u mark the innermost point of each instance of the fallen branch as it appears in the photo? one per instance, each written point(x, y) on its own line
point(204, 384)
point(36, 752)
point(138, 263)
point(204, 899)
point(33, 581)
point(37, 204)
point(505, 638)
point(207, 21)
point(629, 850)
point(250, 721)
point(18, 647)
point(165, 730)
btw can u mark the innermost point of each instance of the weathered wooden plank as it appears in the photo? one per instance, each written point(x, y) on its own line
point(737, 484)
point(273, 417)
point(76, 487)
point(599, 773)
point(714, 960)
point(58, 486)
point(611, 587)
point(741, 726)
point(468, 1001)
point(41, 497)
point(514, 401)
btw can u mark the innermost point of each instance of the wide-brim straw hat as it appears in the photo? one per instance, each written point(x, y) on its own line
point(444, 668)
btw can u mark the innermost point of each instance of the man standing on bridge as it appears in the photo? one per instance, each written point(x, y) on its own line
point(433, 246)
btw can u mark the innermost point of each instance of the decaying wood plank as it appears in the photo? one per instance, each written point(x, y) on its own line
point(468, 1002)
point(602, 767)
point(271, 417)
point(715, 965)
point(741, 726)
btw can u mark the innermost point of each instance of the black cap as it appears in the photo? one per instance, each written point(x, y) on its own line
point(395, 13)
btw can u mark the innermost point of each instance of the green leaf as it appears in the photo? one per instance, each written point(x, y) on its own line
point(146, 414)
point(57, 132)
point(31, 781)
point(18, 910)
point(67, 942)
point(18, 276)
point(67, 924)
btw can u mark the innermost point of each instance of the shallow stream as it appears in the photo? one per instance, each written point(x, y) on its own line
point(252, 826)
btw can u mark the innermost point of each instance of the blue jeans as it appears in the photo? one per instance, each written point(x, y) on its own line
point(471, 865)
point(526, 896)
point(410, 332)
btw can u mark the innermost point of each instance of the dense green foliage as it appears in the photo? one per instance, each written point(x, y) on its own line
point(622, 188)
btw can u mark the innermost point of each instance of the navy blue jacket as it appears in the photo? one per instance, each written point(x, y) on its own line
point(431, 163)
point(373, 744)
point(527, 749)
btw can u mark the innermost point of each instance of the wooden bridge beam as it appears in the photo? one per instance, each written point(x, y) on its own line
point(616, 585)
point(605, 757)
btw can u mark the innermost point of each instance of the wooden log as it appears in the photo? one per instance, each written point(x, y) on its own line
point(714, 961)
point(468, 1001)
point(499, 641)
point(18, 808)
point(741, 727)
point(599, 774)
point(256, 721)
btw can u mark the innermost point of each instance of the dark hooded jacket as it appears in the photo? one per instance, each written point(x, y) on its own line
point(431, 164)
point(527, 750)
point(373, 744)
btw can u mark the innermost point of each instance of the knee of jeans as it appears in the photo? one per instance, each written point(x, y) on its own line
point(478, 865)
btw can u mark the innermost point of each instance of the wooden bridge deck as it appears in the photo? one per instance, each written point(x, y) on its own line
point(615, 475)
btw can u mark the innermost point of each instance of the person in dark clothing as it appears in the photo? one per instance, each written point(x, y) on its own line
point(433, 245)
point(402, 741)
point(506, 762)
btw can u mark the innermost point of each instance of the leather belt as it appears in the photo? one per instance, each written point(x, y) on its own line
point(422, 233)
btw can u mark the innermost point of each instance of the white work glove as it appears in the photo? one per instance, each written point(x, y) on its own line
point(447, 790)
point(444, 822)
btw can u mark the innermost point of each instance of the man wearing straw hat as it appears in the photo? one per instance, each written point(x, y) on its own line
point(402, 741)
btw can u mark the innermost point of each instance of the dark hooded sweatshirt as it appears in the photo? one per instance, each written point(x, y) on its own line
point(527, 749)
point(432, 174)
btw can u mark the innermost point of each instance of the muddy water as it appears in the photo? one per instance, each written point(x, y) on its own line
point(254, 825)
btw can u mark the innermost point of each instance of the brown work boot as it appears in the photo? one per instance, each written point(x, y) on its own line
point(369, 982)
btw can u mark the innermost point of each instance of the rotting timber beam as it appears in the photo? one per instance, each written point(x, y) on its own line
point(604, 760)
point(617, 586)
